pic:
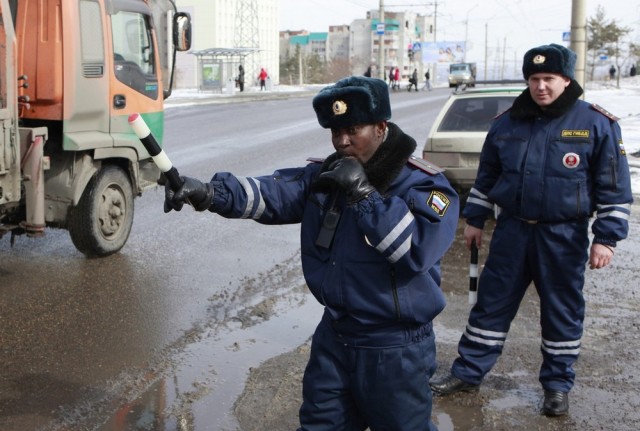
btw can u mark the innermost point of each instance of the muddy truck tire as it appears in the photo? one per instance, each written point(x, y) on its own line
point(101, 222)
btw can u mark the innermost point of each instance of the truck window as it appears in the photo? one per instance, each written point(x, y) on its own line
point(92, 43)
point(134, 57)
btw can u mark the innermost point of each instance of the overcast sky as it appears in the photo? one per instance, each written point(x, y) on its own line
point(521, 23)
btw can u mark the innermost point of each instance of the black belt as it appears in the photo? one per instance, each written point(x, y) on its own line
point(573, 220)
point(530, 221)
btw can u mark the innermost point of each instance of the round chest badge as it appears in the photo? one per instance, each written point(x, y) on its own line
point(571, 160)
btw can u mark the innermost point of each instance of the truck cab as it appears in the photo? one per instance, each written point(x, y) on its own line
point(462, 74)
point(73, 72)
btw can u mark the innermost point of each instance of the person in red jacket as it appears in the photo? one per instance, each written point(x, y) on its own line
point(263, 79)
point(397, 78)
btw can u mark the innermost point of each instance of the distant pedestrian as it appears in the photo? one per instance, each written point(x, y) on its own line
point(263, 79)
point(391, 77)
point(396, 78)
point(427, 81)
point(413, 80)
point(367, 72)
point(632, 71)
point(612, 72)
point(240, 78)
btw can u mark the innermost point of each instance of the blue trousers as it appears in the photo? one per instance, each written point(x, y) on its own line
point(349, 387)
point(553, 257)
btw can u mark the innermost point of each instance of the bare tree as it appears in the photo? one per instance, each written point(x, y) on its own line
point(605, 36)
point(336, 69)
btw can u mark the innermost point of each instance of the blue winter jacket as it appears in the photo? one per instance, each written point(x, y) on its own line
point(381, 269)
point(559, 167)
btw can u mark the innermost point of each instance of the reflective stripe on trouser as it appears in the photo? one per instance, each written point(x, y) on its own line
point(553, 256)
point(348, 388)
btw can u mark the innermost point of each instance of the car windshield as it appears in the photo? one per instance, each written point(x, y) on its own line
point(474, 114)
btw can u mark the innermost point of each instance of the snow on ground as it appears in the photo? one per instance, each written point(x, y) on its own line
point(624, 103)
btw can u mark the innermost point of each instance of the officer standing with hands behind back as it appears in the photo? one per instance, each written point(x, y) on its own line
point(375, 223)
point(550, 163)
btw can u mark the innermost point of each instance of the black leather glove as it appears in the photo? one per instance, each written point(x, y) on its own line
point(193, 191)
point(348, 174)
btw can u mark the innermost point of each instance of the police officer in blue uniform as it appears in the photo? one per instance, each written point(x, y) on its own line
point(375, 222)
point(550, 163)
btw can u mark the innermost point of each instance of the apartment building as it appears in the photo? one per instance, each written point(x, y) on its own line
point(359, 43)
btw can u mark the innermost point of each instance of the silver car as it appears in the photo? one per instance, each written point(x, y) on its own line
point(457, 135)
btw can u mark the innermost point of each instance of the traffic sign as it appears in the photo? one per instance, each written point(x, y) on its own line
point(380, 29)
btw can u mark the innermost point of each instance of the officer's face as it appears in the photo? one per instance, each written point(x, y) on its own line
point(359, 141)
point(545, 88)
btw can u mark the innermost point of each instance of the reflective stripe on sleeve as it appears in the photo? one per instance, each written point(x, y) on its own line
point(251, 187)
point(475, 197)
point(620, 211)
point(397, 232)
point(400, 251)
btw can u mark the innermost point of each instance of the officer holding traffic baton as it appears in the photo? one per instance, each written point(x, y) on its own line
point(375, 222)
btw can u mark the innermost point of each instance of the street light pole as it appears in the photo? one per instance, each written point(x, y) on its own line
point(466, 32)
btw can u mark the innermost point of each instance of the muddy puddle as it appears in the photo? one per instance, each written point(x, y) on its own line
point(242, 368)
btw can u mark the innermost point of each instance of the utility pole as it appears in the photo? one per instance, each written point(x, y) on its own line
point(299, 65)
point(504, 59)
point(486, 48)
point(433, 67)
point(381, 71)
point(579, 38)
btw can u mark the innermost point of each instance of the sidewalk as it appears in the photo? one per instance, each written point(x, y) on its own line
point(192, 96)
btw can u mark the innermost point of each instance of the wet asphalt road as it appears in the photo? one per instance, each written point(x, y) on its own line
point(162, 335)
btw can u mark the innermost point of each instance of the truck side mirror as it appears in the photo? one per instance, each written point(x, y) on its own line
point(182, 31)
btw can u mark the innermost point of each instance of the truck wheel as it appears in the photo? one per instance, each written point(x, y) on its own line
point(101, 222)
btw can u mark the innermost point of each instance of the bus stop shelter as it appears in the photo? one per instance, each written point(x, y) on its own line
point(218, 67)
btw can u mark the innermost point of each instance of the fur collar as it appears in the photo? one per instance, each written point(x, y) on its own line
point(524, 106)
point(387, 162)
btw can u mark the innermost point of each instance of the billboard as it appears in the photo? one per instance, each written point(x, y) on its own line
point(443, 52)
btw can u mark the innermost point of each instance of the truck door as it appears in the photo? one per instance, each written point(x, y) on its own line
point(135, 82)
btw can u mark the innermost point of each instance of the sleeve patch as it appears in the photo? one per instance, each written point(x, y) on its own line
point(604, 112)
point(439, 202)
point(622, 150)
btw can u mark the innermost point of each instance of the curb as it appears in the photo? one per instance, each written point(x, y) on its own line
point(235, 98)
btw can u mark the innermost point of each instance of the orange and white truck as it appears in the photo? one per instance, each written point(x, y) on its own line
point(71, 73)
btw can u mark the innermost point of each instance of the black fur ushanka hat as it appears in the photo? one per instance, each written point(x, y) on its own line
point(551, 58)
point(352, 101)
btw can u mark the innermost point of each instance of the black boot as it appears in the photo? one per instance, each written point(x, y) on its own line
point(450, 384)
point(556, 403)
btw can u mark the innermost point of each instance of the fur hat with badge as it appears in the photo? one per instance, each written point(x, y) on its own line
point(551, 58)
point(352, 101)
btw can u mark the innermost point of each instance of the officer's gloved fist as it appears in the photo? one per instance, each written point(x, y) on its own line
point(193, 191)
point(348, 174)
